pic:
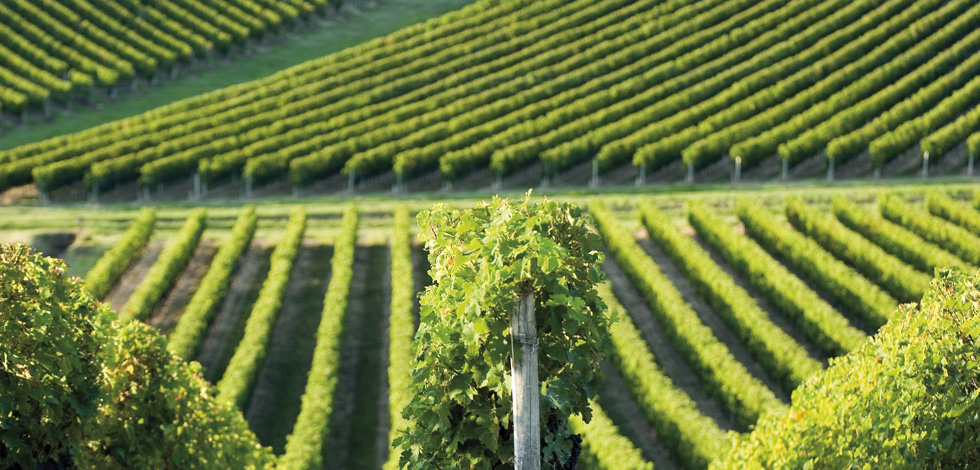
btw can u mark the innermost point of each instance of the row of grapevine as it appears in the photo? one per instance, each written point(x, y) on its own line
point(914, 67)
point(889, 146)
point(950, 236)
point(900, 280)
point(695, 438)
point(941, 205)
point(212, 103)
point(603, 447)
point(190, 330)
point(712, 25)
point(621, 43)
point(824, 23)
point(785, 359)
point(834, 39)
point(218, 127)
point(738, 104)
point(744, 396)
point(352, 125)
point(369, 135)
point(477, 143)
point(239, 378)
point(304, 447)
point(893, 238)
point(401, 329)
point(165, 270)
point(823, 325)
point(60, 48)
point(820, 268)
point(311, 104)
point(113, 263)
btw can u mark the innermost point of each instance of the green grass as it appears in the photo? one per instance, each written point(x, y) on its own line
point(358, 23)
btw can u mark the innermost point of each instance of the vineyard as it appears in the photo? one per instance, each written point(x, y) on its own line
point(523, 93)
point(302, 315)
point(261, 192)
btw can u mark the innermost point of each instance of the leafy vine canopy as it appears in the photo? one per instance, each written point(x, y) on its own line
point(480, 259)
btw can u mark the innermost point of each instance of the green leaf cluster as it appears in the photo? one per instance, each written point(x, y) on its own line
point(840, 281)
point(192, 326)
point(461, 412)
point(78, 385)
point(724, 377)
point(236, 385)
point(909, 398)
point(111, 265)
point(779, 353)
point(304, 446)
point(894, 238)
point(164, 272)
point(819, 321)
point(900, 280)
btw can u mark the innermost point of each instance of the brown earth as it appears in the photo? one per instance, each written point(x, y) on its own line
point(228, 324)
point(281, 381)
point(133, 276)
point(171, 307)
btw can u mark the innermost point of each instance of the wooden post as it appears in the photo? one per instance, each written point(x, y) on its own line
point(737, 177)
point(785, 171)
point(527, 431)
point(925, 165)
point(594, 181)
point(830, 169)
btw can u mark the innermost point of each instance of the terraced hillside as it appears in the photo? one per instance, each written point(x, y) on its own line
point(725, 307)
point(559, 90)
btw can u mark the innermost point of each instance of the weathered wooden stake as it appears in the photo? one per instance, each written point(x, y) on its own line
point(925, 165)
point(969, 164)
point(594, 181)
point(527, 429)
point(785, 171)
point(830, 169)
point(737, 176)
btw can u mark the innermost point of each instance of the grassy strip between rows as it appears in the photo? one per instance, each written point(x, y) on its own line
point(111, 265)
point(819, 321)
point(164, 272)
point(695, 438)
point(236, 385)
point(900, 280)
point(893, 238)
point(603, 447)
point(193, 324)
point(401, 330)
point(305, 446)
point(934, 229)
point(721, 374)
point(785, 359)
point(856, 293)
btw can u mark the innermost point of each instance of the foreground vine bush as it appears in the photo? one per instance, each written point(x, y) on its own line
point(908, 399)
point(81, 388)
point(461, 415)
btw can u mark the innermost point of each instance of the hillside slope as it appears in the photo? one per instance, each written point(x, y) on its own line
point(541, 88)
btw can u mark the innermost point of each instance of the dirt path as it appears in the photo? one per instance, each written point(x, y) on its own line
point(616, 399)
point(169, 310)
point(775, 315)
point(133, 276)
point(228, 324)
point(668, 358)
point(354, 424)
point(275, 403)
point(708, 316)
